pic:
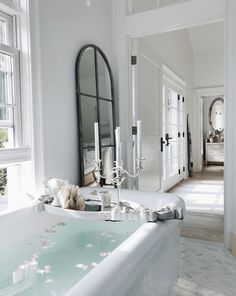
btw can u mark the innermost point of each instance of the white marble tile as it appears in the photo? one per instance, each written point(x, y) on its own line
point(207, 269)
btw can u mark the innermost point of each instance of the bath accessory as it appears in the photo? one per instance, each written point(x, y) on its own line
point(65, 195)
point(129, 211)
point(118, 172)
point(105, 197)
point(71, 198)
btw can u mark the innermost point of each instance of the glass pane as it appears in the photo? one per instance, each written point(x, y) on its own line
point(3, 182)
point(87, 73)
point(6, 138)
point(6, 79)
point(6, 115)
point(106, 124)
point(103, 78)
point(89, 116)
point(89, 159)
point(2, 32)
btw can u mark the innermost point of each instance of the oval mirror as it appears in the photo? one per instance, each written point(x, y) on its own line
point(95, 101)
point(216, 114)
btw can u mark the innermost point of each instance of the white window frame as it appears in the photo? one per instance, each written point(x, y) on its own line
point(21, 155)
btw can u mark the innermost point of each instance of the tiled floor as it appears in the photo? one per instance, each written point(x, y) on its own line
point(207, 269)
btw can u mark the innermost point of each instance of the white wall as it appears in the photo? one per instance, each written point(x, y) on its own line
point(64, 27)
point(175, 51)
point(209, 69)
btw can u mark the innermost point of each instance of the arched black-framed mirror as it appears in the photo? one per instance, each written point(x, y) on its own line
point(95, 103)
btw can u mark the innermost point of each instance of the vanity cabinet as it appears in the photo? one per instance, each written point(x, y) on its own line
point(214, 152)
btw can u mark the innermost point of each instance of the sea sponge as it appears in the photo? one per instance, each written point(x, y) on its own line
point(71, 198)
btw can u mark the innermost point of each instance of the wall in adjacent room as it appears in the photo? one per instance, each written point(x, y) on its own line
point(209, 68)
point(64, 27)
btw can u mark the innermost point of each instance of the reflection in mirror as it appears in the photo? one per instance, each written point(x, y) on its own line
point(103, 78)
point(89, 116)
point(216, 114)
point(106, 126)
point(95, 100)
point(87, 73)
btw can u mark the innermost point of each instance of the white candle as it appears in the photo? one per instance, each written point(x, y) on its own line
point(139, 139)
point(121, 153)
point(96, 136)
point(117, 135)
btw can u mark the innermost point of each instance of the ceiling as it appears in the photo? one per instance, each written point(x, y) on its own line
point(207, 37)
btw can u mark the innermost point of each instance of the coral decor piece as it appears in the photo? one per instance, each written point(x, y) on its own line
point(65, 195)
point(71, 198)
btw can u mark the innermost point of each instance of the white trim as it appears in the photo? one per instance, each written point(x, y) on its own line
point(174, 17)
point(229, 132)
point(150, 61)
point(15, 155)
point(201, 92)
point(36, 93)
point(8, 50)
point(173, 76)
point(10, 7)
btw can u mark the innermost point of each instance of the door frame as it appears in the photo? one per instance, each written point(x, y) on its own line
point(198, 94)
point(184, 15)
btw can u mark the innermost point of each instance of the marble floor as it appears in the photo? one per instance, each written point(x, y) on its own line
point(207, 269)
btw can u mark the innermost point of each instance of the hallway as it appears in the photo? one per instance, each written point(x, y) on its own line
point(204, 198)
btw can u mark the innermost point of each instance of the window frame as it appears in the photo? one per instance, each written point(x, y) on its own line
point(21, 155)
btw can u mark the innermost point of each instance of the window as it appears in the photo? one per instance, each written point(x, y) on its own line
point(15, 160)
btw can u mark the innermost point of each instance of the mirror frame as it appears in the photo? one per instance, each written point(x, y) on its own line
point(210, 113)
point(79, 94)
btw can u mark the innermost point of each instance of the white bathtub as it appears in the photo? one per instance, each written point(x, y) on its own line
point(145, 264)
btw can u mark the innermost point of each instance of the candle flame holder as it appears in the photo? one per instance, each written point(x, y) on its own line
point(119, 175)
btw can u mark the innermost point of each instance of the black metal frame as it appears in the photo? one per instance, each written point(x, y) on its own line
point(98, 98)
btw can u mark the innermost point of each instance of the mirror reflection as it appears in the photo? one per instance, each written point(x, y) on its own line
point(103, 78)
point(216, 114)
point(87, 73)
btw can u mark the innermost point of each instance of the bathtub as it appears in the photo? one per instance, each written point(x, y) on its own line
point(143, 261)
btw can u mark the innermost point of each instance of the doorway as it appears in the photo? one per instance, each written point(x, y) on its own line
point(187, 72)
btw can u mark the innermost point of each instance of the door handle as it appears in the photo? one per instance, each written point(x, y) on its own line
point(167, 139)
point(162, 144)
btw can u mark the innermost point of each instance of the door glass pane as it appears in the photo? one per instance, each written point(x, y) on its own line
point(89, 116)
point(172, 132)
point(104, 80)
point(87, 73)
point(106, 124)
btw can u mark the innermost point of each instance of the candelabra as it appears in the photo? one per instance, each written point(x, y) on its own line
point(119, 174)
